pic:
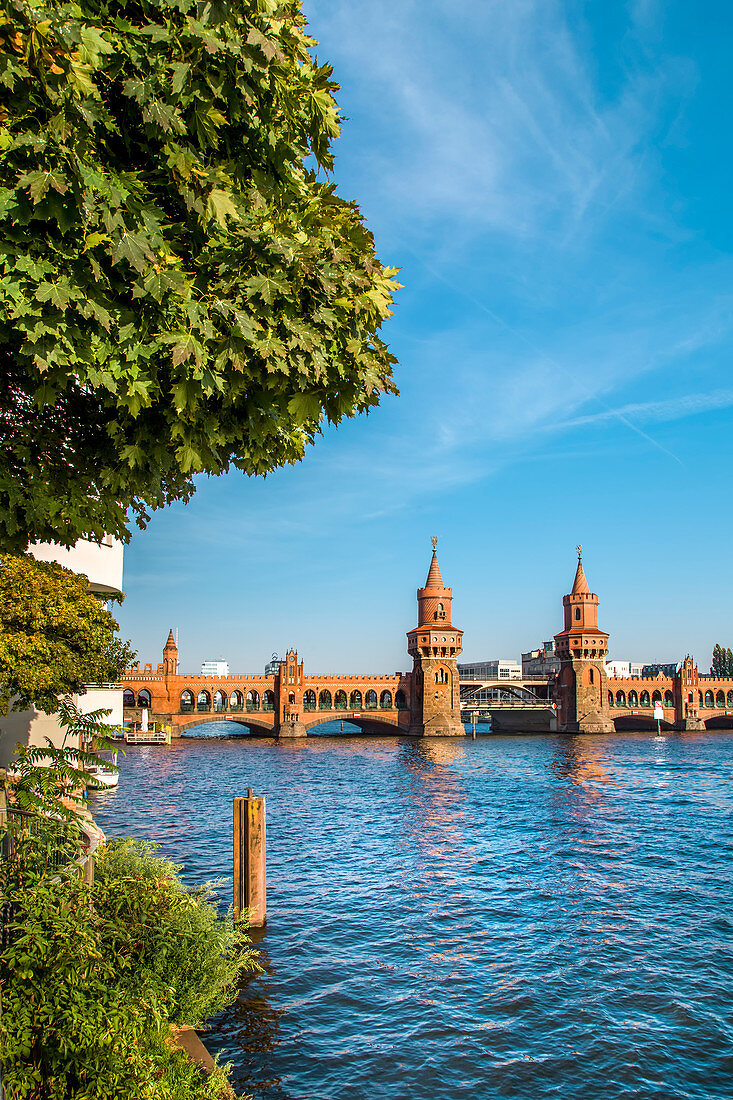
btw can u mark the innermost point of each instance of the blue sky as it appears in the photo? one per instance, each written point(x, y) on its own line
point(554, 181)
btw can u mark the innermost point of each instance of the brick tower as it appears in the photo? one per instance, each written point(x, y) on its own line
point(434, 645)
point(170, 657)
point(289, 692)
point(581, 685)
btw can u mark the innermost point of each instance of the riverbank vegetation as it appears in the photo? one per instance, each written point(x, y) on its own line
point(94, 977)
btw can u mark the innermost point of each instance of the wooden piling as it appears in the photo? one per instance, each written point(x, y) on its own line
point(250, 878)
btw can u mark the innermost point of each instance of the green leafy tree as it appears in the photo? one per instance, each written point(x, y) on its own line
point(55, 636)
point(182, 288)
point(717, 668)
point(729, 662)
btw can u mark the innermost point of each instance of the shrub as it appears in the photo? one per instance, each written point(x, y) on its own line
point(92, 977)
point(190, 953)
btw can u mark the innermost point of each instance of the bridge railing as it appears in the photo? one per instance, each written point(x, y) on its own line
point(520, 704)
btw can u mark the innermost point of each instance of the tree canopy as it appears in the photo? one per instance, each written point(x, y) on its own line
point(55, 636)
point(722, 661)
point(182, 287)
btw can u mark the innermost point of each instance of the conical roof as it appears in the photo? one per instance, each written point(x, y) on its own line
point(580, 584)
point(434, 578)
point(171, 643)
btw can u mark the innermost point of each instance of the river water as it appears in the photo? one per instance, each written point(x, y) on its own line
point(524, 916)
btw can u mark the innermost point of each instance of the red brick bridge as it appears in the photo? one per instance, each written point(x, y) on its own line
point(424, 701)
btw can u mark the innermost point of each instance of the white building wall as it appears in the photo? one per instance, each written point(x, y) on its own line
point(102, 563)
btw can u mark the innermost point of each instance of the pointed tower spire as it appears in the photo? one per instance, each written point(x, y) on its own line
point(434, 579)
point(170, 656)
point(580, 584)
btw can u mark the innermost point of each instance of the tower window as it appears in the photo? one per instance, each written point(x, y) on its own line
point(577, 612)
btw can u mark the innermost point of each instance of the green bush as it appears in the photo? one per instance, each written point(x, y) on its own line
point(92, 978)
point(185, 949)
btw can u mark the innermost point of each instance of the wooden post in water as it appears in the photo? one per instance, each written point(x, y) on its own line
point(250, 891)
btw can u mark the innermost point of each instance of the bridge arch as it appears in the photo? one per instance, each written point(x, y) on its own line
point(356, 701)
point(203, 699)
point(370, 699)
point(143, 697)
point(325, 702)
point(640, 722)
point(668, 699)
point(128, 698)
point(385, 700)
point(239, 725)
point(236, 699)
point(220, 700)
point(709, 699)
point(309, 699)
point(373, 724)
point(720, 699)
point(340, 701)
point(719, 722)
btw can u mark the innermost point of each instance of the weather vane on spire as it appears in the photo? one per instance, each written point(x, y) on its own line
point(434, 540)
point(579, 548)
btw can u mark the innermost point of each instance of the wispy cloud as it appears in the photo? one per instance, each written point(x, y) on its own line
point(488, 113)
point(674, 408)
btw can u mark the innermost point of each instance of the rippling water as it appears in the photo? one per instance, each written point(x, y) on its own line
point(529, 917)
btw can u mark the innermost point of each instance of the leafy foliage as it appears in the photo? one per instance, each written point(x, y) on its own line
point(181, 289)
point(182, 944)
point(54, 635)
point(85, 1015)
point(48, 774)
point(722, 665)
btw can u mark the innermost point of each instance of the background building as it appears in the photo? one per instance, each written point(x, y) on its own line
point(273, 666)
point(102, 564)
point(669, 669)
point(623, 669)
point(215, 668)
point(542, 661)
point(499, 669)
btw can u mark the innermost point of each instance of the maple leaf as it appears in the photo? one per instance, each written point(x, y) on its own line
point(220, 206)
